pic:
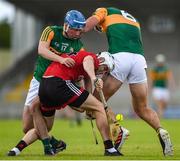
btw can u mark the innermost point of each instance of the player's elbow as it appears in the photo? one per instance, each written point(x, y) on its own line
point(40, 50)
point(88, 59)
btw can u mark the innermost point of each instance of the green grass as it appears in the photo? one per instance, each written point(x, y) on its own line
point(142, 144)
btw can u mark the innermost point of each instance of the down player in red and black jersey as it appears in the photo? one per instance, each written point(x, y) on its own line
point(58, 89)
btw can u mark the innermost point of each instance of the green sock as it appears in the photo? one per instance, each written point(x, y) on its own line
point(46, 143)
point(53, 141)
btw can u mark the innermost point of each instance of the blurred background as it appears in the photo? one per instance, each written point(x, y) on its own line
point(21, 23)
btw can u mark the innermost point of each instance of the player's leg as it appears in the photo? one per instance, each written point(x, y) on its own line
point(41, 127)
point(43, 124)
point(31, 95)
point(42, 120)
point(27, 119)
point(161, 98)
point(92, 104)
point(157, 94)
point(30, 135)
point(111, 85)
point(139, 99)
point(137, 80)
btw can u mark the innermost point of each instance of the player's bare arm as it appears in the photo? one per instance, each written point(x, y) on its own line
point(91, 23)
point(43, 50)
point(88, 65)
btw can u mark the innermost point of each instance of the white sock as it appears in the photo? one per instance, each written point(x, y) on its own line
point(111, 150)
point(16, 150)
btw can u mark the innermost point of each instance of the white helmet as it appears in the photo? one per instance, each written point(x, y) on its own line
point(160, 58)
point(106, 59)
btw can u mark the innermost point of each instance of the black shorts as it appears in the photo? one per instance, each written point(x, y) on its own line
point(55, 93)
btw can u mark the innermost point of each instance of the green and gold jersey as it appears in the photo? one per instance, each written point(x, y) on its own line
point(58, 44)
point(159, 76)
point(122, 30)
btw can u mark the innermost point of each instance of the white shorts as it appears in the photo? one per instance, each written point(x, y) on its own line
point(33, 91)
point(130, 67)
point(161, 94)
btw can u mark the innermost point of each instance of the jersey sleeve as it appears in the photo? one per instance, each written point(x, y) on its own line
point(100, 14)
point(47, 34)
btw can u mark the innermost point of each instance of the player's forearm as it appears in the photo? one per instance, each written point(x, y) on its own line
point(43, 50)
point(46, 53)
point(91, 22)
point(88, 64)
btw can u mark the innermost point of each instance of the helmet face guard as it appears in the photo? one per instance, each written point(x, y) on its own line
point(75, 20)
point(106, 60)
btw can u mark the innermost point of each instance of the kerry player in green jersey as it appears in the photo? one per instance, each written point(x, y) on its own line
point(54, 41)
point(161, 81)
point(125, 44)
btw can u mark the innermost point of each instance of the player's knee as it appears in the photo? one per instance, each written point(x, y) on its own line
point(100, 108)
point(26, 129)
point(27, 123)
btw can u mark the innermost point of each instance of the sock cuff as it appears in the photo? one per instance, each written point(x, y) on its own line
point(108, 144)
point(23, 142)
point(46, 143)
point(21, 145)
point(53, 141)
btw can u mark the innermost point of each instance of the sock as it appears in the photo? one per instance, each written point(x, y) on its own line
point(21, 145)
point(46, 143)
point(54, 141)
point(108, 144)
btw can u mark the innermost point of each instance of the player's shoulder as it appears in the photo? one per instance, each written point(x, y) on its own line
point(110, 10)
point(56, 28)
point(113, 10)
point(47, 29)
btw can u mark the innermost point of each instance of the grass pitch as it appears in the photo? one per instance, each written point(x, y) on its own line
point(142, 144)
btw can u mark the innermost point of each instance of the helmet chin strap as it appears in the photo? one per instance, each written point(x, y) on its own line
point(66, 28)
